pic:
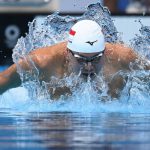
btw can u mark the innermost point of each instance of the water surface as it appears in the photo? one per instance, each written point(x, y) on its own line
point(31, 120)
point(74, 131)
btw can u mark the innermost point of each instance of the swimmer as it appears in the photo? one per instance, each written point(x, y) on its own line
point(85, 54)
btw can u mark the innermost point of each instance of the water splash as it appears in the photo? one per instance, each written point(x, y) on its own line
point(53, 29)
point(141, 42)
point(85, 98)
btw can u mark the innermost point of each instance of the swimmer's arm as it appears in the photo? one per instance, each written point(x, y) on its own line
point(131, 59)
point(9, 79)
point(137, 62)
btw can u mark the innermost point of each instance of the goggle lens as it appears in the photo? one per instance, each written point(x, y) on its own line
point(82, 59)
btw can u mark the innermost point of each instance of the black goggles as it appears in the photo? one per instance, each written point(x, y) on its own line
point(83, 59)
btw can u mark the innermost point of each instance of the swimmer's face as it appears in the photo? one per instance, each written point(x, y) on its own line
point(89, 63)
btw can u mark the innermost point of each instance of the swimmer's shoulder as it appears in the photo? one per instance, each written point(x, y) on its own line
point(120, 53)
point(110, 50)
point(117, 47)
point(51, 50)
point(50, 55)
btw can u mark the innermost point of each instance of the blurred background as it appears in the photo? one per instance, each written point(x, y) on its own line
point(15, 15)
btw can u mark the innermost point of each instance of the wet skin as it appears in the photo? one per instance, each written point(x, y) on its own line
point(57, 61)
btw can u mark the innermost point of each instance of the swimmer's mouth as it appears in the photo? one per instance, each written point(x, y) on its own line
point(89, 74)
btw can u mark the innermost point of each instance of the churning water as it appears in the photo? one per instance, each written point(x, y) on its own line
point(82, 120)
point(54, 29)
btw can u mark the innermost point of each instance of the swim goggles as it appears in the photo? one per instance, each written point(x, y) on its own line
point(83, 59)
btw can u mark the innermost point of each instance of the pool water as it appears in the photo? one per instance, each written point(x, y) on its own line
point(3, 68)
point(41, 125)
point(82, 122)
point(64, 130)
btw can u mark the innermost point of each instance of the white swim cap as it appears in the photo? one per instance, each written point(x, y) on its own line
point(86, 37)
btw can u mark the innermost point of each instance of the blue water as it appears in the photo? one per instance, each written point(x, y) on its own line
point(30, 120)
point(42, 125)
point(74, 131)
point(2, 68)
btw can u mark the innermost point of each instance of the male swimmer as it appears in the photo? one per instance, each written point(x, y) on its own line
point(85, 54)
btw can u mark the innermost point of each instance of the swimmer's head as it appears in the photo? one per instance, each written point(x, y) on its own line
point(86, 37)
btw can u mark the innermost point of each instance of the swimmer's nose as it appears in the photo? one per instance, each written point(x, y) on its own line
point(89, 66)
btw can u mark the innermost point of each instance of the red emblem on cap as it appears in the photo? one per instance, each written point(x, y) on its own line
point(72, 32)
